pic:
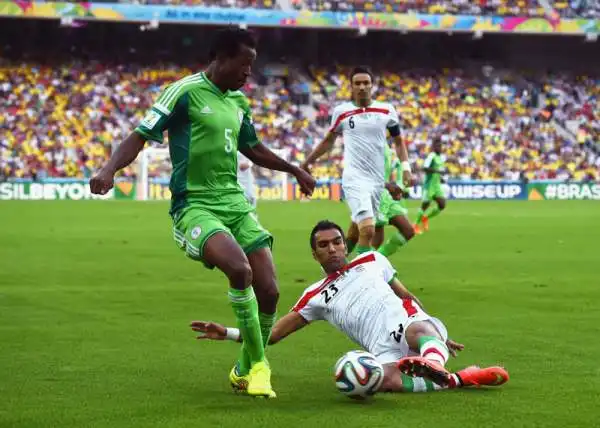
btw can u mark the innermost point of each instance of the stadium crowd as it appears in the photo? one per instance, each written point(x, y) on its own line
point(564, 8)
point(63, 121)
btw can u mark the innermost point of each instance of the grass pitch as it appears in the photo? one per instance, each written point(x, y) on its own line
point(95, 301)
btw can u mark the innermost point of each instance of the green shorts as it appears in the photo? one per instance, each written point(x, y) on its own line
point(197, 223)
point(433, 192)
point(388, 209)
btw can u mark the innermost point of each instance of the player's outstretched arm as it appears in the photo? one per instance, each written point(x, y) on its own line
point(323, 147)
point(126, 153)
point(262, 156)
point(402, 292)
point(284, 326)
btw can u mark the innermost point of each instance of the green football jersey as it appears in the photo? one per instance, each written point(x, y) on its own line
point(435, 162)
point(206, 127)
point(387, 163)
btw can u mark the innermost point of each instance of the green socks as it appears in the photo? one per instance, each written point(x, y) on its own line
point(418, 384)
point(245, 308)
point(360, 249)
point(392, 244)
point(420, 216)
point(266, 324)
point(433, 349)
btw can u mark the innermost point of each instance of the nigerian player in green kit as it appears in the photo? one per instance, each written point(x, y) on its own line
point(208, 120)
point(391, 211)
point(432, 187)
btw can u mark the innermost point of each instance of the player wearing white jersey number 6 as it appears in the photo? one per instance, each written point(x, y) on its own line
point(365, 300)
point(364, 125)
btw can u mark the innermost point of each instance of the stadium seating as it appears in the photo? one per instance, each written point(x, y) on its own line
point(567, 9)
point(63, 121)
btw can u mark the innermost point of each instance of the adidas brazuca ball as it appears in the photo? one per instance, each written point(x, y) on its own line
point(358, 374)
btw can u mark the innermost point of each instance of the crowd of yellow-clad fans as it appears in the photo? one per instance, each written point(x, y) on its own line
point(63, 121)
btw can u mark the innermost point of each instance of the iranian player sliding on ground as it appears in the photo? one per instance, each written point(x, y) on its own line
point(208, 120)
point(366, 301)
point(364, 124)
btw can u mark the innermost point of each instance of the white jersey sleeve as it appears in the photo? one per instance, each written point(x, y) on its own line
point(337, 117)
point(306, 307)
point(393, 119)
point(428, 160)
point(388, 270)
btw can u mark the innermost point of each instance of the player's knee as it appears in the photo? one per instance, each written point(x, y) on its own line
point(419, 329)
point(441, 204)
point(239, 274)
point(366, 228)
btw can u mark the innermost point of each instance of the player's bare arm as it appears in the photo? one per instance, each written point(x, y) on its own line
point(323, 147)
point(262, 156)
point(402, 154)
point(402, 292)
point(126, 153)
point(284, 326)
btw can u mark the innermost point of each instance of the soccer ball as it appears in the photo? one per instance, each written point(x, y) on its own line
point(358, 374)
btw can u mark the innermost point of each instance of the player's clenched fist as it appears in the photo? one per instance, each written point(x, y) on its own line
point(306, 181)
point(102, 182)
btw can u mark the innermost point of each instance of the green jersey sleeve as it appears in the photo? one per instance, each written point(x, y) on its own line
point(167, 106)
point(247, 136)
point(429, 161)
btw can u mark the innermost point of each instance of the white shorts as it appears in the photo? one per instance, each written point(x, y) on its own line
point(363, 201)
point(393, 346)
point(249, 191)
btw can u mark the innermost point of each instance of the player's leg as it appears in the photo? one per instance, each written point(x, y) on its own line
point(405, 231)
point(359, 201)
point(205, 238)
point(396, 381)
point(425, 339)
point(352, 237)
point(256, 243)
point(440, 205)
point(421, 217)
point(379, 235)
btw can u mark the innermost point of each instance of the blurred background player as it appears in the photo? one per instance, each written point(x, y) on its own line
point(212, 220)
point(386, 319)
point(363, 123)
point(391, 211)
point(432, 187)
point(246, 178)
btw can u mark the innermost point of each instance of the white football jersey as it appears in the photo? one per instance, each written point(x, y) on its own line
point(359, 301)
point(364, 131)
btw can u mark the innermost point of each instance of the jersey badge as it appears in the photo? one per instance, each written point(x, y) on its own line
point(151, 119)
point(196, 231)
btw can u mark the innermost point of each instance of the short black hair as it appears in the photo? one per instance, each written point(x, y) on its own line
point(324, 225)
point(359, 70)
point(228, 41)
